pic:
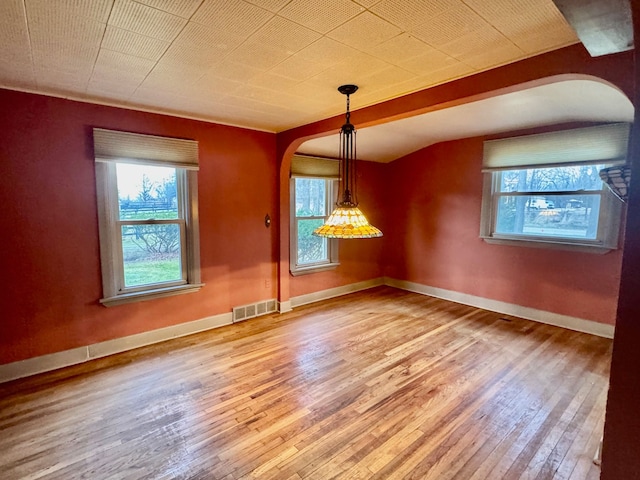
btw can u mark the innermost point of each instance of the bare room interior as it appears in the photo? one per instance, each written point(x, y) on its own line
point(286, 239)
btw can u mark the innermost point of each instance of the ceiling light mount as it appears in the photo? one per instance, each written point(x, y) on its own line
point(348, 89)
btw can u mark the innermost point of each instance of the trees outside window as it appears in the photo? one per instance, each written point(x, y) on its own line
point(312, 200)
point(150, 224)
point(545, 189)
point(556, 201)
point(568, 206)
point(147, 203)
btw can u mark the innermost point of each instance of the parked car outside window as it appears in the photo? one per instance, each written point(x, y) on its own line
point(540, 203)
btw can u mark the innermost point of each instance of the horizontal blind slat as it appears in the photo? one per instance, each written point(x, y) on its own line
point(315, 167)
point(603, 143)
point(111, 146)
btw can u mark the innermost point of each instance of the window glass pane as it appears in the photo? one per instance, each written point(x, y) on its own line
point(559, 179)
point(311, 249)
point(310, 197)
point(151, 254)
point(146, 191)
point(570, 216)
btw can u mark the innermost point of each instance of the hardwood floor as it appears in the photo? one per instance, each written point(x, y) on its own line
point(380, 384)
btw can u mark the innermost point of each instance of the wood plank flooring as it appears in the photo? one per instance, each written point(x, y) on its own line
point(381, 384)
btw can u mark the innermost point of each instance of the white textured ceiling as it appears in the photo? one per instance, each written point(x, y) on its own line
point(587, 100)
point(262, 64)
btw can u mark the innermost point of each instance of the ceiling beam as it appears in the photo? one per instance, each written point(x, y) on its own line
point(603, 26)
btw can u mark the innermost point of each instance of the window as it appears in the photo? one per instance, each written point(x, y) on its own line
point(312, 200)
point(546, 189)
point(147, 206)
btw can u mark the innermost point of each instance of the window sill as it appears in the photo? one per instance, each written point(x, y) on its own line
point(549, 244)
point(314, 269)
point(150, 294)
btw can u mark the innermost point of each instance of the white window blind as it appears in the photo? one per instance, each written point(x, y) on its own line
point(315, 167)
point(599, 144)
point(113, 146)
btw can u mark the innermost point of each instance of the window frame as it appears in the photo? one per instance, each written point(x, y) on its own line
point(119, 264)
point(110, 233)
point(609, 216)
point(332, 260)
point(604, 144)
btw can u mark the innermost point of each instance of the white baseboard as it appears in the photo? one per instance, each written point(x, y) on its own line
point(542, 316)
point(284, 307)
point(66, 358)
point(335, 292)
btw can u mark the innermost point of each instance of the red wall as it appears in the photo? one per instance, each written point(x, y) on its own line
point(418, 231)
point(50, 263)
point(359, 259)
point(437, 194)
point(49, 260)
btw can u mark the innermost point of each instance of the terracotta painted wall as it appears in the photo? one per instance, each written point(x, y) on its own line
point(49, 260)
point(620, 451)
point(50, 264)
point(435, 241)
point(359, 259)
point(408, 257)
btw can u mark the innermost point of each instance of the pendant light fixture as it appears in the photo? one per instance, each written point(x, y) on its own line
point(347, 221)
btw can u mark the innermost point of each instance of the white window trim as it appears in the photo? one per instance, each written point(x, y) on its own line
point(606, 237)
point(601, 144)
point(332, 244)
point(109, 230)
